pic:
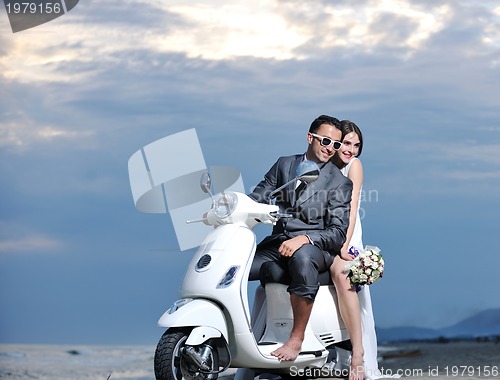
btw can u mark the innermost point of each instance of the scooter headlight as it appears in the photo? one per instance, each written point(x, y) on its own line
point(225, 204)
point(178, 304)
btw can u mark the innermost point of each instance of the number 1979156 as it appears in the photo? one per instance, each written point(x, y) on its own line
point(33, 8)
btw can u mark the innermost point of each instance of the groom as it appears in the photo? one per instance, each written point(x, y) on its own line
point(301, 246)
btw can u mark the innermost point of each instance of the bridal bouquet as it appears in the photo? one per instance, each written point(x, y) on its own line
point(366, 268)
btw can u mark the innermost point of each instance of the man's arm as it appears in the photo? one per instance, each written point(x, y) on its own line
point(263, 190)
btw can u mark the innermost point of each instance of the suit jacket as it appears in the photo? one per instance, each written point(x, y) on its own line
point(322, 209)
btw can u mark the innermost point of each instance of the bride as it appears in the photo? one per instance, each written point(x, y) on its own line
point(361, 326)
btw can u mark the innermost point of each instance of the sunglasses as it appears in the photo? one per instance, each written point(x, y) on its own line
point(326, 141)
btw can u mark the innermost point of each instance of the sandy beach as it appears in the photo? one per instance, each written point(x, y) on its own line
point(73, 362)
point(61, 362)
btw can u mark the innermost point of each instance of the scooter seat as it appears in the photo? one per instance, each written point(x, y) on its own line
point(273, 272)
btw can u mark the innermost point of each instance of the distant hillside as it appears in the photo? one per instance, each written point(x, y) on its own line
point(485, 323)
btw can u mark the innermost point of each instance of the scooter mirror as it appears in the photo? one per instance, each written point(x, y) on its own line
point(307, 171)
point(206, 183)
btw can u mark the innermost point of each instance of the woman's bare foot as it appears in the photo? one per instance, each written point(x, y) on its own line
point(357, 369)
point(289, 351)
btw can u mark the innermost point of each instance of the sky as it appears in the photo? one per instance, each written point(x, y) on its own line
point(81, 94)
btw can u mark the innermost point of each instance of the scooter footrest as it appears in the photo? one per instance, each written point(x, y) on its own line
point(315, 353)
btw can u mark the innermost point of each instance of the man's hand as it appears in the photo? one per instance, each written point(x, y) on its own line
point(288, 247)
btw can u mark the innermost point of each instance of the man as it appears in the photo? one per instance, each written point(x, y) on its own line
point(301, 245)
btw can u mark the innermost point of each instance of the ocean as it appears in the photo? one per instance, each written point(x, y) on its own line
point(467, 359)
point(67, 362)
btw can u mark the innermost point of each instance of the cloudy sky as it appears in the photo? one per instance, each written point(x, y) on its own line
point(79, 95)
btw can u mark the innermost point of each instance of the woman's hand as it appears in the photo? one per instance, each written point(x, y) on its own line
point(344, 254)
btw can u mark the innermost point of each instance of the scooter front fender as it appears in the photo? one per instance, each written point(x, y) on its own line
point(196, 313)
point(201, 334)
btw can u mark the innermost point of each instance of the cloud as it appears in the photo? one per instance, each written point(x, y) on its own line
point(299, 29)
point(472, 175)
point(225, 31)
point(29, 243)
point(73, 44)
point(386, 64)
point(470, 152)
point(98, 31)
point(370, 26)
point(22, 135)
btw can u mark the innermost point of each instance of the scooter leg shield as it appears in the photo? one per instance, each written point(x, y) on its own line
point(325, 322)
point(329, 327)
point(259, 313)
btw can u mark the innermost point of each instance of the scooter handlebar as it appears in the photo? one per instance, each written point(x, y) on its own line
point(241, 209)
point(279, 215)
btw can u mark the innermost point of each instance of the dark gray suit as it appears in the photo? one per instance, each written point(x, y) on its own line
point(322, 213)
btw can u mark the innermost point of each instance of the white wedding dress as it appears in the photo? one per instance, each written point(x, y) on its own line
point(369, 336)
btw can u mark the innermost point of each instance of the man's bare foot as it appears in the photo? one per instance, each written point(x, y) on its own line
point(357, 369)
point(289, 351)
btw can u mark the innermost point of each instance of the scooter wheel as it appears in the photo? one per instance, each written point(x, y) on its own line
point(169, 363)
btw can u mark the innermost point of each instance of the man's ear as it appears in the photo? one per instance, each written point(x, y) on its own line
point(309, 138)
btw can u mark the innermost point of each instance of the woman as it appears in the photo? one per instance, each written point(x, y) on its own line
point(346, 159)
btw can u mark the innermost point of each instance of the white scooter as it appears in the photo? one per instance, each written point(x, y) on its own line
point(210, 328)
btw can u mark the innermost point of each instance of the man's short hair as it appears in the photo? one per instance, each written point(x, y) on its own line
point(324, 119)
